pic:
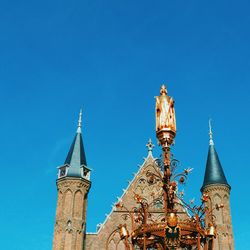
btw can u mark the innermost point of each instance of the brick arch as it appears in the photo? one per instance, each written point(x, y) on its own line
point(57, 240)
point(217, 199)
point(216, 195)
point(68, 200)
point(209, 203)
point(79, 240)
point(59, 204)
point(226, 209)
point(112, 245)
point(120, 245)
point(78, 204)
point(68, 241)
point(225, 198)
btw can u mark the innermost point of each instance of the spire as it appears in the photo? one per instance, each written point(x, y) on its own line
point(76, 156)
point(79, 127)
point(211, 142)
point(214, 173)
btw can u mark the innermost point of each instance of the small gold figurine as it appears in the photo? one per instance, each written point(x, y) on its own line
point(165, 116)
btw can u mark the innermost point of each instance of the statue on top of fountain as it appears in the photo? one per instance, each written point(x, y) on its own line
point(165, 113)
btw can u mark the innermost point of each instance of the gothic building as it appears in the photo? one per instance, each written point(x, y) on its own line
point(73, 184)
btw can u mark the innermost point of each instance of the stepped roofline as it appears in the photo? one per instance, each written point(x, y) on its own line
point(147, 159)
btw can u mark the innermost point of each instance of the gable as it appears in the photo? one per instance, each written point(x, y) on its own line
point(147, 184)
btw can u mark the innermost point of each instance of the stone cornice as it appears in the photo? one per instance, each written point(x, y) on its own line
point(216, 187)
point(74, 183)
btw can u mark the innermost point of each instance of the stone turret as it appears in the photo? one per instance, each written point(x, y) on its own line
point(216, 186)
point(73, 184)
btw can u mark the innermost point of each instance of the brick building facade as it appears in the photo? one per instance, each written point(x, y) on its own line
point(73, 185)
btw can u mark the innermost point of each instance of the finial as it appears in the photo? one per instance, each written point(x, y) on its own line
point(211, 142)
point(163, 90)
point(79, 127)
point(150, 145)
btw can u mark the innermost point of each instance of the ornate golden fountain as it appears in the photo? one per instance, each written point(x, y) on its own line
point(194, 230)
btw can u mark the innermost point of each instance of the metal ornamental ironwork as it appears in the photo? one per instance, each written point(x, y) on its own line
point(192, 226)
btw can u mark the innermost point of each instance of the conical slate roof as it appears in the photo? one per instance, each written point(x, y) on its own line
point(76, 155)
point(214, 173)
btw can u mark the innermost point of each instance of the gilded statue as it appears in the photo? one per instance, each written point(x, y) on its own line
point(165, 114)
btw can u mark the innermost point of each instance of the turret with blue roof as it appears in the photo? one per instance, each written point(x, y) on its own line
point(73, 186)
point(216, 187)
point(214, 173)
point(75, 164)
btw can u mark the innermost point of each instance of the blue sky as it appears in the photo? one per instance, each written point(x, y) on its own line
point(110, 57)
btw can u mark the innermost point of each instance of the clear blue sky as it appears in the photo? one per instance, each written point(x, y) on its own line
point(111, 58)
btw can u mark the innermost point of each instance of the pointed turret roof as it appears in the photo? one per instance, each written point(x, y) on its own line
point(76, 156)
point(214, 173)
